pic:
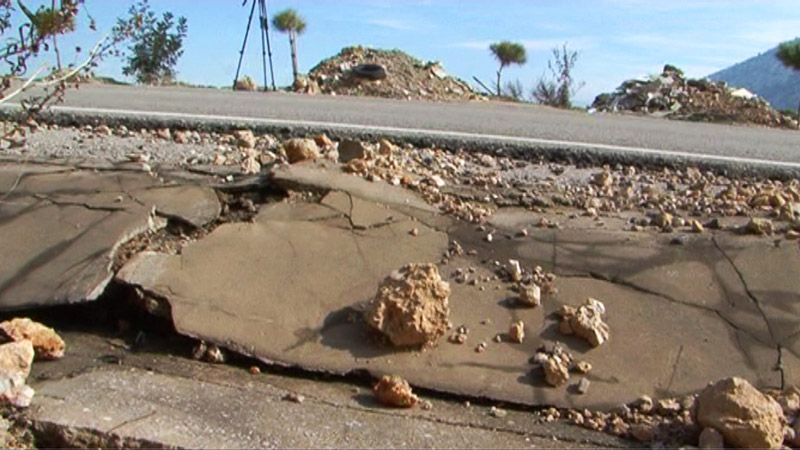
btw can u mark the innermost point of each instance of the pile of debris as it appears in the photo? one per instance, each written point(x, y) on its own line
point(384, 73)
point(672, 95)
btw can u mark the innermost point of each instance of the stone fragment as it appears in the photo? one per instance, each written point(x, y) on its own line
point(46, 342)
point(323, 141)
point(555, 364)
point(298, 150)
point(603, 179)
point(517, 332)
point(351, 149)
point(498, 413)
point(644, 403)
point(244, 138)
point(164, 133)
point(515, 270)
point(15, 366)
point(250, 165)
point(759, 226)
point(530, 295)
point(697, 227)
point(411, 306)
point(586, 322)
point(744, 416)
point(711, 439)
point(583, 386)
point(583, 367)
point(663, 220)
point(180, 137)
point(395, 392)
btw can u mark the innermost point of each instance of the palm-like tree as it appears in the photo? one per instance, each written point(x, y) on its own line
point(507, 53)
point(290, 22)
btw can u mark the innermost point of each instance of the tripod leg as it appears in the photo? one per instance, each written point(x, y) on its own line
point(269, 46)
point(244, 44)
point(263, 22)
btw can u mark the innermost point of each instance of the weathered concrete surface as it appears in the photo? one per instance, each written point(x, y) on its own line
point(59, 227)
point(82, 400)
point(289, 291)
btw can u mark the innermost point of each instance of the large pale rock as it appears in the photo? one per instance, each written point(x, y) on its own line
point(744, 416)
point(298, 150)
point(586, 322)
point(46, 342)
point(411, 306)
point(15, 366)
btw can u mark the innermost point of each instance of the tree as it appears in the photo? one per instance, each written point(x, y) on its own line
point(559, 89)
point(789, 54)
point(33, 37)
point(290, 22)
point(507, 53)
point(156, 46)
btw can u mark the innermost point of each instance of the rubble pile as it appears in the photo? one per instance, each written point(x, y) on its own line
point(672, 95)
point(411, 306)
point(385, 73)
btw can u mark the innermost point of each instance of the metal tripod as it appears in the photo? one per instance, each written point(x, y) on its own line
point(266, 48)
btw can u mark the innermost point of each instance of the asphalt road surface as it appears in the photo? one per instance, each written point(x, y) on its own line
point(535, 125)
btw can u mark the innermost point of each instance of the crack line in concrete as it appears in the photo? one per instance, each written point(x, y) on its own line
point(79, 204)
point(130, 421)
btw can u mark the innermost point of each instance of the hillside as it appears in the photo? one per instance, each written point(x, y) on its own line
point(766, 76)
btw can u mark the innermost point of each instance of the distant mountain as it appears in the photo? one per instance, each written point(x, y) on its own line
point(766, 76)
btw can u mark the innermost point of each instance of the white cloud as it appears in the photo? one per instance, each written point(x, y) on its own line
point(392, 24)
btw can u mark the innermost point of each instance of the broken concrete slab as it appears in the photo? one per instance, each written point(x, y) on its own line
point(92, 350)
point(306, 312)
point(59, 228)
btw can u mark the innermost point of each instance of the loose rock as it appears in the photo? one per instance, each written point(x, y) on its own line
point(517, 332)
point(15, 366)
point(555, 365)
point(395, 392)
point(46, 342)
point(298, 150)
point(244, 138)
point(586, 322)
point(530, 295)
point(744, 416)
point(350, 150)
point(411, 306)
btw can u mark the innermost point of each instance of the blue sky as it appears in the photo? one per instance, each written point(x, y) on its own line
point(617, 39)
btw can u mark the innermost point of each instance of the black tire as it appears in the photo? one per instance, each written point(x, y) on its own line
point(370, 71)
